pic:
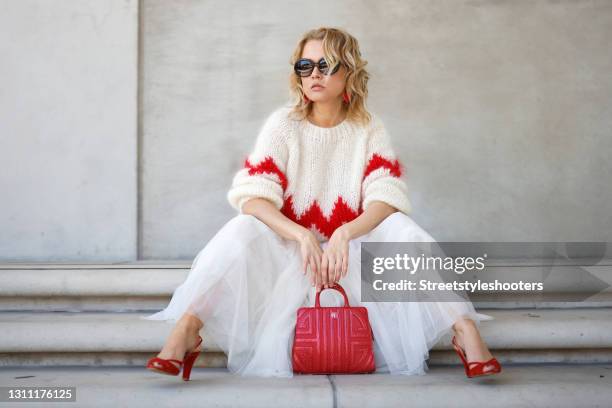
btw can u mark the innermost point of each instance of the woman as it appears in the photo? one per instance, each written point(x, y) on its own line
point(321, 179)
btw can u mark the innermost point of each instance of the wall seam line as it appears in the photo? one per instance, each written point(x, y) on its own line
point(139, 129)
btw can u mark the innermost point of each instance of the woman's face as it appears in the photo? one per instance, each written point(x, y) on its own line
point(333, 85)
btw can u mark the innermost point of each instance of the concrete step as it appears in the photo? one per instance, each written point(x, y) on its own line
point(536, 335)
point(148, 286)
point(516, 386)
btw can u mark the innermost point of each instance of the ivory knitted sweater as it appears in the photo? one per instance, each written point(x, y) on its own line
point(320, 177)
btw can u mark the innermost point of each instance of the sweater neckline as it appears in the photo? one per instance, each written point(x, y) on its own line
point(340, 128)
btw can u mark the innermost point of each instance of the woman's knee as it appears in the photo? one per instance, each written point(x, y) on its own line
point(394, 220)
point(240, 219)
point(407, 224)
point(245, 227)
point(399, 226)
point(249, 221)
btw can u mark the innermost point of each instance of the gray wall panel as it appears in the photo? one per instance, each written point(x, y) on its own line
point(68, 104)
point(501, 111)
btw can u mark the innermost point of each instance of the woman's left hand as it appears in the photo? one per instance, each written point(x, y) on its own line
point(334, 261)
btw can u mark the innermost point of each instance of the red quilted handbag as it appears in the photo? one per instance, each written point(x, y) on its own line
point(333, 340)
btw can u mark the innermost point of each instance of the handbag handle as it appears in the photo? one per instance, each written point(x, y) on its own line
point(338, 288)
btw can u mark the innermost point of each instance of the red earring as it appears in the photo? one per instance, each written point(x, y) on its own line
point(346, 97)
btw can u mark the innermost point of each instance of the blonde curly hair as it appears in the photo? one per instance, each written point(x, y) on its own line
point(338, 46)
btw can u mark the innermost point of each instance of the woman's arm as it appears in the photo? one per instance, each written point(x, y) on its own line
point(334, 261)
point(273, 218)
point(310, 249)
point(375, 213)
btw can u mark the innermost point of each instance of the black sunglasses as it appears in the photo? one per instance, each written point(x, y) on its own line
point(304, 67)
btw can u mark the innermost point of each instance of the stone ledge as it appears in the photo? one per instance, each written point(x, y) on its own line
point(127, 332)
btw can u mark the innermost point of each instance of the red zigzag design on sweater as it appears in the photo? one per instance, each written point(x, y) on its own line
point(341, 212)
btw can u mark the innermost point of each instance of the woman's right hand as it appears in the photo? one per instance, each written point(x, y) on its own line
point(311, 256)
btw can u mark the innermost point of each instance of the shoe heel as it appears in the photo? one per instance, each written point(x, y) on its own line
point(461, 355)
point(188, 364)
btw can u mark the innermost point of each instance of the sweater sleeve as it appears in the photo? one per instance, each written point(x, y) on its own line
point(382, 178)
point(264, 169)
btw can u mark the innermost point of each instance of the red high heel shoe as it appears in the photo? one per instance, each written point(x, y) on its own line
point(476, 368)
point(165, 366)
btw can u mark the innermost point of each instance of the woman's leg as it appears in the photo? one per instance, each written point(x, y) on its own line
point(404, 340)
point(220, 293)
point(468, 338)
point(184, 337)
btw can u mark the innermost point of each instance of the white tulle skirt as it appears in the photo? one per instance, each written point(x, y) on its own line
point(247, 283)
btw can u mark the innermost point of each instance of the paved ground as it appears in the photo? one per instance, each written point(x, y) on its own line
point(517, 386)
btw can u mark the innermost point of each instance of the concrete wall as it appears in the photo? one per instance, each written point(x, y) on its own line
point(500, 110)
point(68, 104)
